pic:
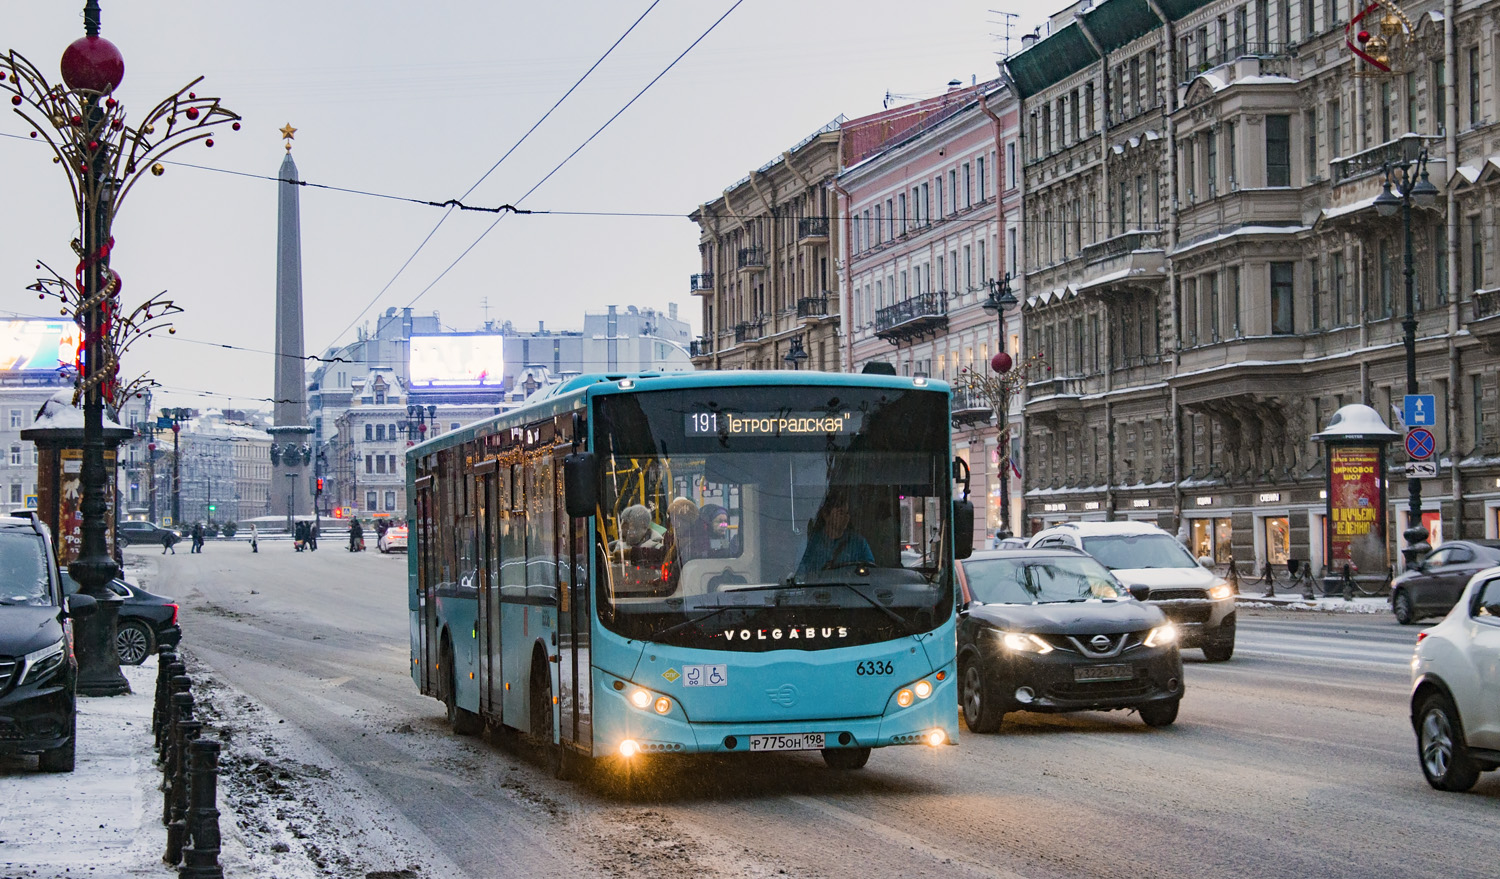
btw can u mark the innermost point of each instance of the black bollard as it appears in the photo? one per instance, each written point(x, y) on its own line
point(177, 682)
point(187, 730)
point(182, 712)
point(165, 657)
point(201, 859)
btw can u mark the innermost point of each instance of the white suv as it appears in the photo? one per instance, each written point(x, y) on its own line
point(1455, 697)
point(1197, 600)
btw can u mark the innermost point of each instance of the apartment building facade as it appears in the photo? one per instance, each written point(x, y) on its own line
point(1207, 273)
point(926, 217)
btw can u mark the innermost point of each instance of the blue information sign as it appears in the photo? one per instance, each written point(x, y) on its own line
point(1420, 410)
point(1420, 443)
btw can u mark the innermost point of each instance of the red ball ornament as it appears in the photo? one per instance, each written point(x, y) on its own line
point(192, 96)
point(192, 112)
point(235, 126)
point(33, 134)
point(94, 64)
point(1001, 362)
point(1363, 37)
point(16, 100)
point(77, 121)
point(93, 145)
point(209, 142)
point(110, 103)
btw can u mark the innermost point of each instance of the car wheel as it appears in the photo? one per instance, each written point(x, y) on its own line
point(1160, 713)
point(846, 758)
point(462, 721)
point(1440, 745)
point(1219, 646)
point(122, 541)
point(1401, 607)
point(980, 713)
point(133, 642)
point(554, 754)
point(61, 759)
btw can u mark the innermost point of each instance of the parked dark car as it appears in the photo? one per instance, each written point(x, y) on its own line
point(1433, 586)
point(38, 669)
point(127, 533)
point(1052, 630)
point(147, 620)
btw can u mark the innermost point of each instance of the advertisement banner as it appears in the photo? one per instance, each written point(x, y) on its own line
point(457, 360)
point(1356, 509)
point(38, 344)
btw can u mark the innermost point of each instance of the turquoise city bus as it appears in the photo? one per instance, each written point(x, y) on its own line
point(700, 562)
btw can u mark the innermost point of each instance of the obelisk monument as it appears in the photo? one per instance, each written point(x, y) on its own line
point(291, 452)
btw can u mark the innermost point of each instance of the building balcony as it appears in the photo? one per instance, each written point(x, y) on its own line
point(1485, 325)
point(702, 284)
point(914, 318)
point(751, 259)
point(747, 331)
point(813, 306)
point(702, 347)
point(1055, 401)
point(1375, 159)
point(812, 230)
point(969, 407)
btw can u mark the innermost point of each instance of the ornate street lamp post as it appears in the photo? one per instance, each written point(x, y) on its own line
point(796, 355)
point(1000, 301)
point(103, 158)
point(1410, 180)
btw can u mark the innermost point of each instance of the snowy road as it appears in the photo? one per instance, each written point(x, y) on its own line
point(1293, 759)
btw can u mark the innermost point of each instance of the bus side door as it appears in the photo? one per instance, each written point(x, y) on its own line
point(575, 717)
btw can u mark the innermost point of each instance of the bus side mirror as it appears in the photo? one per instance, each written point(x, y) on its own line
point(580, 484)
point(963, 528)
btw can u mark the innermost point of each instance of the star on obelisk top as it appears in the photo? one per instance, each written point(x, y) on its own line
point(288, 132)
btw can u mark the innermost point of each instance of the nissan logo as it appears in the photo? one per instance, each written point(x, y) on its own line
point(1099, 643)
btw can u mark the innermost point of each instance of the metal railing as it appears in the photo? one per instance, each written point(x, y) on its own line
point(812, 227)
point(1120, 245)
point(1371, 161)
point(1486, 303)
point(917, 307)
point(700, 282)
point(748, 332)
point(1230, 53)
point(701, 347)
point(752, 257)
point(813, 306)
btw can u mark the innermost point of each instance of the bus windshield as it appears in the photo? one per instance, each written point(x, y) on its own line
point(759, 519)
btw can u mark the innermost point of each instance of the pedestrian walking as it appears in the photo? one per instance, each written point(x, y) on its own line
point(312, 537)
point(197, 537)
point(169, 542)
point(254, 538)
point(299, 535)
point(356, 536)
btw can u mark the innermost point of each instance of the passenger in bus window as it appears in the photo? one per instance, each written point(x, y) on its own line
point(684, 539)
point(713, 522)
point(830, 542)
point(635, 531)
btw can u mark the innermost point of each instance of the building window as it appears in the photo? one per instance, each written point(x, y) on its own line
point(1213, 307)
point(15, 419)
point(390, 500)
point(1282, 321)
point(393, 465)
point(15, 492)
point(369, 463)
point(1314, 267)
point(1310, 131)
point(380, 463)
point(1474, 86)
point(1437, 90)
point(369, 432)
point(979, 169)
point(1337, 285)
point(15, 456)
point(1212, 165)
point(1410, 82)
point(1440, 262)
point(1476, 252)
point(1386, 280)
point(370, 501)
point(1332, 118)
point(1477, 407)
point(1278, 151)
point(1010, 163)
point(379, 432)
point(1387, 110)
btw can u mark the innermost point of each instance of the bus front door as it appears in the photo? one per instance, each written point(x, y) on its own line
point(575, 717)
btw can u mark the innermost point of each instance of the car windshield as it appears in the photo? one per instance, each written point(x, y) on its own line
point(23, 571)
point(1128, 551)
point(1039, 580)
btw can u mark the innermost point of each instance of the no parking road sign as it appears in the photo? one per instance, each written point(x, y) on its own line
point(1420, 443)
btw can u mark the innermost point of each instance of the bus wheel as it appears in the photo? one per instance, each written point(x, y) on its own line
point(554, 755)
point(462, 721)
point(846, 758)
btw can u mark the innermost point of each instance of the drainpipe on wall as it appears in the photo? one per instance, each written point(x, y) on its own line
point(1455, 307)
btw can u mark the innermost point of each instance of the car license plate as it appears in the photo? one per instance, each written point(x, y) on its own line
point(791, 742)
point(1091, 673)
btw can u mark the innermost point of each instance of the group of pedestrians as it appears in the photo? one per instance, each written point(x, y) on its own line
point(305, 536)
point(197, 534)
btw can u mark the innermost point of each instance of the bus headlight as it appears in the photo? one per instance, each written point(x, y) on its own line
point(640, 699)
point(1161, 636)
point(923, 689)
point(936, 737)
point(905, 698)
point(663, 705)
point(629, 748)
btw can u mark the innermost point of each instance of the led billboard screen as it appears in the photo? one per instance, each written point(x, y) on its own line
point(39, 344)
point(457, 360)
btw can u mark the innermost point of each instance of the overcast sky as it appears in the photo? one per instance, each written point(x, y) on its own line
point(419, 101)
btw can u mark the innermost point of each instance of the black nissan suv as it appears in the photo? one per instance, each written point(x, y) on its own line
point(38, 671)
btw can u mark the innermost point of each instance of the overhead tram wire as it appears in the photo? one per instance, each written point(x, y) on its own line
point(448, 213)
point(590, 139)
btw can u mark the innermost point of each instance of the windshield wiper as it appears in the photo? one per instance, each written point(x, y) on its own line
point(715, 612)
point(902, 621)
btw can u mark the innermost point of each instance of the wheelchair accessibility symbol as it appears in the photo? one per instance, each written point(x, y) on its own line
point(705, 675)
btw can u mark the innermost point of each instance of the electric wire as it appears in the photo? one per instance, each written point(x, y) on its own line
point(448, 213)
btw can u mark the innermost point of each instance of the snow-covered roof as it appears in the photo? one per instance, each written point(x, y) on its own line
point(1356, 422)
point(59, 413)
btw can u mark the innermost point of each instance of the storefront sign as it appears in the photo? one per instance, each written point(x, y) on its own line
point(1054, 508)
point(1205, 501)
point(1141, 502)
point(1356, 509)
point(1091, 505)
point(1270, 497)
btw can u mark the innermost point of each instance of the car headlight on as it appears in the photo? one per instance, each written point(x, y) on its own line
point(1220, 591)
point(41, 663)
point(1024, 642)
point(1161, 636)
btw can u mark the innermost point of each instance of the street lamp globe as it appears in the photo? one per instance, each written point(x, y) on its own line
point(1424, 193)
point(1386, 203)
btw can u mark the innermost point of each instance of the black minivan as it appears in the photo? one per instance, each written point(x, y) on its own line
point(38, 670)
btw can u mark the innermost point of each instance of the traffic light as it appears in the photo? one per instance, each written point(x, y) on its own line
point(320, 485)
point(212, 507)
